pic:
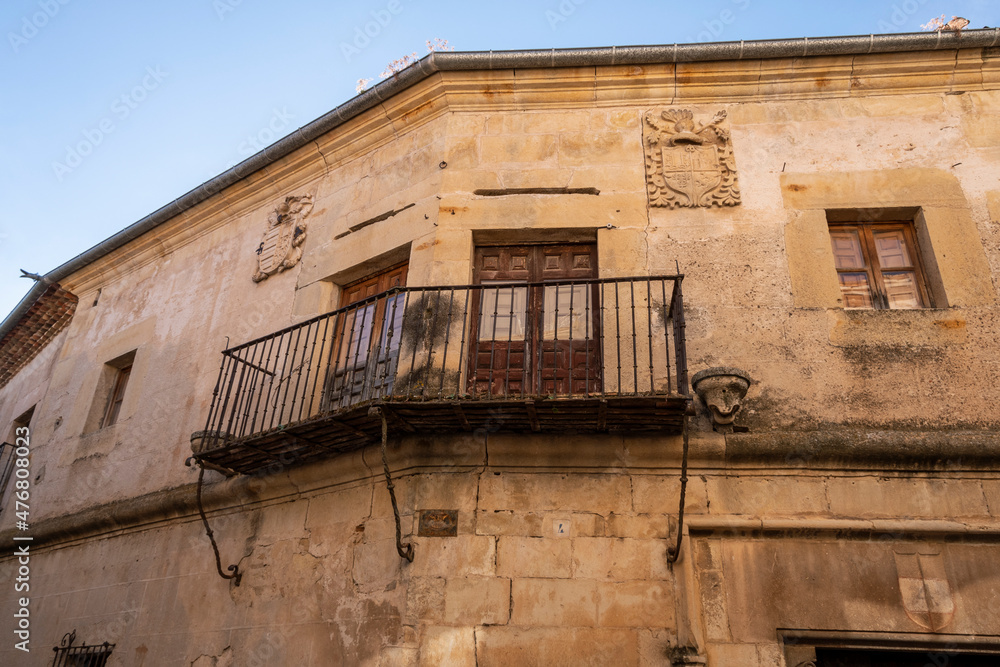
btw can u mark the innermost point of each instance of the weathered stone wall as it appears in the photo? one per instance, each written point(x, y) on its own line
point(872, 438)
point(560, 557)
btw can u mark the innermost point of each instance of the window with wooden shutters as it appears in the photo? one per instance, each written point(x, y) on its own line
point(878, 265)
point(535, 339)
point(19, 429)
point(112, 390)
point(366, 345)
point(117, 395)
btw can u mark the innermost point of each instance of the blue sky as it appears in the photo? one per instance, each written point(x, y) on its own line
point(111, 110)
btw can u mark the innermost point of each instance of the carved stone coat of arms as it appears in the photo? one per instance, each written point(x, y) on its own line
point(927, 595)
point(689, 164)
point(281, 246)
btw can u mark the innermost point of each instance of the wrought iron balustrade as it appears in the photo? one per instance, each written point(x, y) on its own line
point(454, 357)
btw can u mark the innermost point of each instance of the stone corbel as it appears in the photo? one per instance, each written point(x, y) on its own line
point(721, 389)
point(686, 655)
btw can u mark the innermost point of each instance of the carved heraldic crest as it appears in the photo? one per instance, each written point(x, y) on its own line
point(281, 246)
point(689, 164)
point(927, 596)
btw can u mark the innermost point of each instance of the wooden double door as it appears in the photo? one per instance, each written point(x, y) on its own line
point(531, 338)
point(367, 338)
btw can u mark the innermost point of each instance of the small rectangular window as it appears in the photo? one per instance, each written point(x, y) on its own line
point(878, 265)
point(24, 421)
point(117, 396)
point(106, 408)
point(7, 459)
point(7, 451)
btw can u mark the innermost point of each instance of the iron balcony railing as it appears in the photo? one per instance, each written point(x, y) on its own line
point(566, 339)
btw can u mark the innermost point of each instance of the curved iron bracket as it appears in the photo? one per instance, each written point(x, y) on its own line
point(234, 570)
point(674, 552)
point(404, 550)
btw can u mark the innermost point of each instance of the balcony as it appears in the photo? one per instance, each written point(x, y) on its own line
point(566, 356)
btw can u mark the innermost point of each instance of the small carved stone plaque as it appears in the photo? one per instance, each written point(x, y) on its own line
point(689, 164)
point(438, 523)
point(281, 246)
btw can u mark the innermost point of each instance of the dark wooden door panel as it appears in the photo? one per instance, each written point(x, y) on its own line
point(500, 369)
point(570, 368)
point(538, 340)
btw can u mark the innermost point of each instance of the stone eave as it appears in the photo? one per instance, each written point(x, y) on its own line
point(684, 60)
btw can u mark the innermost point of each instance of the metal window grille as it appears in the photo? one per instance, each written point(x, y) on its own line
point(83, 655)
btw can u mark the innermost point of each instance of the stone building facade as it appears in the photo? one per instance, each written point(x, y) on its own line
point(567, 280)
